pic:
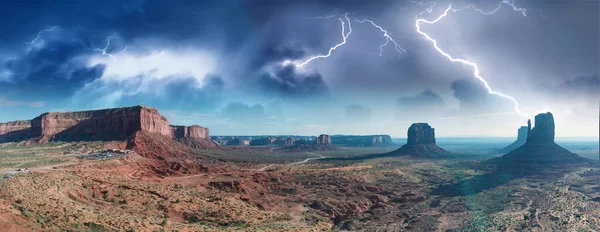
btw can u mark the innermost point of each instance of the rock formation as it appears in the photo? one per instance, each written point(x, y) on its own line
point(420, 142)
point(361, 141)
point(543, 132)
point(323, 139)
point(322, 143)
point(521, 139)
point(194, 136)
point(420, 133)
point(105, 125)
point(539, 149)
point(15, 131)
point(263, 141)
point(289, 142)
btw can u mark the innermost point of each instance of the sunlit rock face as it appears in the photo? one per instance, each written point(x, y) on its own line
point(105, 124)
point(193, 131)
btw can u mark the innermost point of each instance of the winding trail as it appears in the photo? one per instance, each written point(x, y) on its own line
point(294, 163)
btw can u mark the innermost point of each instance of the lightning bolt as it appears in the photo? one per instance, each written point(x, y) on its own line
point(473, 65)
point(104, 50)
point(428, 9)
point(387, 36)
point(39, 35)
point(344, 39)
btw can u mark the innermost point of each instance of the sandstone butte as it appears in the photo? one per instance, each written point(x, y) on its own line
point(539, 148)
point(116, 124)
point(420, 142)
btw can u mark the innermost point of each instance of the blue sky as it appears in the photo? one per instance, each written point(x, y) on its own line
point(233, 66)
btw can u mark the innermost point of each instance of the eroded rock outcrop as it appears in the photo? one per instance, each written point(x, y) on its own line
point(15, 131)
point(420, 133)
point(289, 142)
point(193, 131)
point(421, 143)
point(521, 139)
point(543, 131)
point(540, 149)
point(105, 124)
point(322, 143)
point(194, 136)
point(323, 139)
point(13, 126)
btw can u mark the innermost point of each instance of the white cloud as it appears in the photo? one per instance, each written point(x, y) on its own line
point(157, 65)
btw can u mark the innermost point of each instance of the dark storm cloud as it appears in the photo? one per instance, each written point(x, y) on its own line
point(583, 89)
point(425, 102)
point(474, 98)
point(582, 84)
point(288, 82)
point(54, 70)
point(238, 111)
point(358, 112)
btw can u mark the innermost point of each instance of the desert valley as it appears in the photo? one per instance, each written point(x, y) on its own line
point(127, 169)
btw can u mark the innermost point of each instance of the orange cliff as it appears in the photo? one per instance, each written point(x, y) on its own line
point(104, 124)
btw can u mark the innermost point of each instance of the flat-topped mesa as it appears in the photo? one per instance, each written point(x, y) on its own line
point(193, 131)
point(361, 140)
point(13, 126)
point(289, 142)
point(543, 131)
point(323, 139)
point(421, 133)
point(105, 124)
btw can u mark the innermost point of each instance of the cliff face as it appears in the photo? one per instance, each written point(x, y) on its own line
point(420, 143)
point(421, 133)
point(521, 139)
point(105, 124)
point(323, 139)
point(15, 131)
point(8, 127)
point(193, 131)
point(543, 132)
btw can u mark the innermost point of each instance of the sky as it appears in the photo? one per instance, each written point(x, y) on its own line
point(308, 67)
